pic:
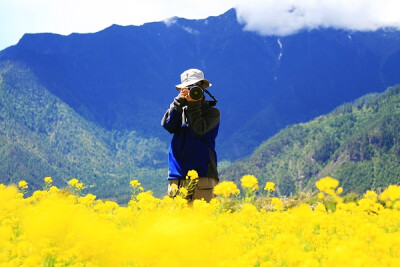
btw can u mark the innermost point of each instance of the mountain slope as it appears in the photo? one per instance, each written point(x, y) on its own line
point(358, 143)
point(122, 78)
point(42, 136)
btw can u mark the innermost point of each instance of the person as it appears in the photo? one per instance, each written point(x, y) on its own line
point(194, 125)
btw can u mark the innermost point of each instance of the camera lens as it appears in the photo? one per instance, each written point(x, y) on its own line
point(196, 92)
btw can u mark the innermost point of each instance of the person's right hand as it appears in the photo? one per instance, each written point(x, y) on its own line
point(183, 93)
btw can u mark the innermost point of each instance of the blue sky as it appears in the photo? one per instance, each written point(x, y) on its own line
point(277, 17)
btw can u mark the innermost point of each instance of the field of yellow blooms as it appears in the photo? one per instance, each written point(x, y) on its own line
point(62, 227)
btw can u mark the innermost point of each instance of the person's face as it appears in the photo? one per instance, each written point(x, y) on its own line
point(201, 84)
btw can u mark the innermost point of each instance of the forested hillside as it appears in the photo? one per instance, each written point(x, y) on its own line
point(42, 136)
point(358, 143)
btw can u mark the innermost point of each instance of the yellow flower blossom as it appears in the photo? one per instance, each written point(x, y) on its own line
point(192, 175)
point(250, 182)
point(73, 182)
point(371, 195)
point(183, 191)
point(87, 200)
point(327, 183)
point(339, 190)
point(392, 193)
point(48, 180)
point(135, 183)
point(76, 186)
point(226, 188)
point(54, 189)
point(320, 207)
point(79, 186)
point(396, 205)
point(276, 203)
point(23, 184)
point(269, 186)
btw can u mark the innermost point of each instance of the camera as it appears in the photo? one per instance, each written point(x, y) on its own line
point(195, 91)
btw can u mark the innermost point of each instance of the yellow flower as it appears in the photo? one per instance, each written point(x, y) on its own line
point(249, 181)
point(192, 175)
point(135, 183)
point(371, 195)
point(396, 205)
point(183, 191)
point(23, 184)
point(269, 186)
point(391, 193)
point(339, 190)
point(76, 185)
point(48, 180)
point(330, 191)
point(226, 188)
point(73, 182)
point(277, 203)
point(79, 186)
point(328, 185)
point(321, 195)
point(87, 200)
point(320, 207)
point(54, 189)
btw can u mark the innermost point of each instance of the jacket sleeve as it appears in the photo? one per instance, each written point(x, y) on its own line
point(173, 116)
point(202, 122)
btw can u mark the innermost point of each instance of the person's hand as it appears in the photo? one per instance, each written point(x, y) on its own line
point(184, 93)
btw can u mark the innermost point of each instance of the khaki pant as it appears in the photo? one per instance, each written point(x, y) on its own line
point(204, 188)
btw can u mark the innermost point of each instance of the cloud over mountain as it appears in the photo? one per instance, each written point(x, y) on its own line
point(285, 17)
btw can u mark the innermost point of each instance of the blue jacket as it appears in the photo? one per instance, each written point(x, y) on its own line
point(195, 126)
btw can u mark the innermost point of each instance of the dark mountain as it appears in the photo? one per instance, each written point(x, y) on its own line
point(358, 144)
point(122, 78)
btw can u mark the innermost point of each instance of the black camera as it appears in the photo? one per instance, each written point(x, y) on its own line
point(195, 92)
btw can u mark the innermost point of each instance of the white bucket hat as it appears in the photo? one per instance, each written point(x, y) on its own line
point(192, 76)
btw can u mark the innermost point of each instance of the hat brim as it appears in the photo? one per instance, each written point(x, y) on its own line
point(183, 85)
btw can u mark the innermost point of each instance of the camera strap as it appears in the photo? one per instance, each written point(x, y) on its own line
point(214, 102)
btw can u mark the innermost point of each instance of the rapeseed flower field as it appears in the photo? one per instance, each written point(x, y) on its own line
point(240, 227)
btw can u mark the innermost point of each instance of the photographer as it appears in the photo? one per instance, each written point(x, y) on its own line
point(194, 123)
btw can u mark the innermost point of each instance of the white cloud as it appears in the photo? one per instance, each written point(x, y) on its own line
point(284, 17)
